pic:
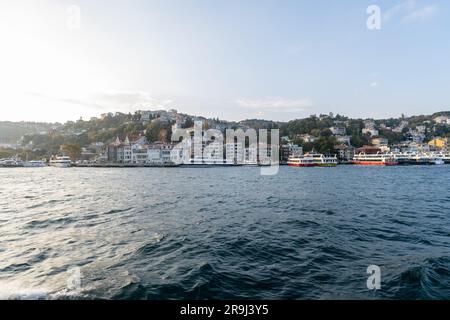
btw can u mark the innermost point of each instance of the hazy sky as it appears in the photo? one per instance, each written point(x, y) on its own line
point(222, 58)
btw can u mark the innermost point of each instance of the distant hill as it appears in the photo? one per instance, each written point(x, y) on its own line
point(11, 132)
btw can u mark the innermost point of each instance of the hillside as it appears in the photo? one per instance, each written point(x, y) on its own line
point(11, 132)
point(321, 133)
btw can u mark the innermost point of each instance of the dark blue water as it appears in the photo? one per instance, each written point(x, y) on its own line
point(220, 233)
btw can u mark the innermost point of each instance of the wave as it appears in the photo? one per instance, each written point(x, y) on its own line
point(428, 281)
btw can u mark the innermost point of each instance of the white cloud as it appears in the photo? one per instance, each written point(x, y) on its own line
point(421, 14)
point(399, 9)
point(373, 84)
point(118, 101)
point(410, 11)
point(275, 103)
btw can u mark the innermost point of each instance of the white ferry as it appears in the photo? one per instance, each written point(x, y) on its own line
point(445, 157)
point(312, 160)
point(378, 159)
point(323, 161)
point(11, 163)
point(34, 164)
point(61, 162)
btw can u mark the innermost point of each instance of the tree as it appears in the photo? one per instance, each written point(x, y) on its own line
point(158, 131)
point(188, 123)
point(73, 150)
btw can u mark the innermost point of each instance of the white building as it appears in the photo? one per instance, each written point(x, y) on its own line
point(306, 137)
point(123, 151)
point(421, 129)
point(338, 131)
point(442, 120)
point(159, 154)
point(371, 131)
point(344, 139)
point(234, 153)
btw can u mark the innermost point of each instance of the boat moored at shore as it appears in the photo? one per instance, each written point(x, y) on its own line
point(378, 159)
point(35, 164)
point(313, 160)
point(11, 163)
point(60, 162)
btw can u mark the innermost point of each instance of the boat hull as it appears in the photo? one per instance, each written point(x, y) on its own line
point(375, 163)
point(302, 165)
point(60, 165)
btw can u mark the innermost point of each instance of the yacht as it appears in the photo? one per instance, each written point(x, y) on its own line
point(60, 162)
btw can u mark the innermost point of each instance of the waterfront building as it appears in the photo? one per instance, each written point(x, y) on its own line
point(159, 153)
point(123, 151)
point(139, 156)
point(251, 155)
point(345, 152)
point(234, 153)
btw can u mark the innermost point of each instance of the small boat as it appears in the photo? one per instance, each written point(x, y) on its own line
point(60, 162)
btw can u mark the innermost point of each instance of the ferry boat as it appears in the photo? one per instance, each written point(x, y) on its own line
point(11, 163)
point(323, 161)
point(34, 164)
point(378, 159)
point(445, 157)
point(61, 162)
point(401, 158)
point(301, 161)
point(421, 159)
point(312, 160)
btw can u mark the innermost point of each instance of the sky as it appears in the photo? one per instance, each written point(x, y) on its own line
point(232, 59)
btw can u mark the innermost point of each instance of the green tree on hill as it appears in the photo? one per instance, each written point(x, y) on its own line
point(73, 150)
